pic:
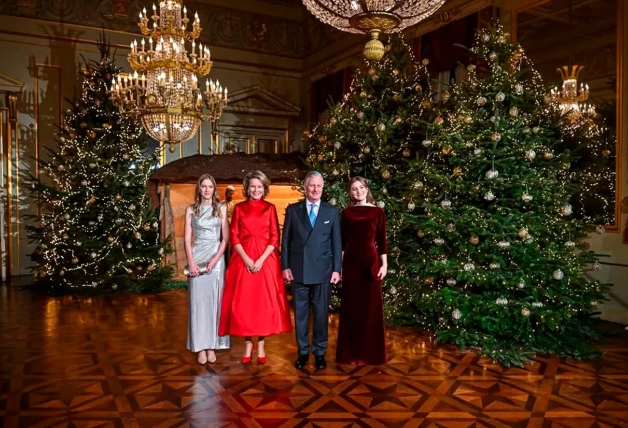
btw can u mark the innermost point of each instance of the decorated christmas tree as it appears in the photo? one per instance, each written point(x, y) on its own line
point(495, 241)
point(95, 228)
point(375, 132)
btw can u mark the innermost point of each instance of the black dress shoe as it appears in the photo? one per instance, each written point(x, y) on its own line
point(320, 362)
point(301, 361)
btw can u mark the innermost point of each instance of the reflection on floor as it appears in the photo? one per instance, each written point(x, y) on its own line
point(121, 361)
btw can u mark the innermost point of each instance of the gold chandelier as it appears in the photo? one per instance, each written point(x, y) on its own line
point(372, 16)
point(164, 90)
point(571, 96)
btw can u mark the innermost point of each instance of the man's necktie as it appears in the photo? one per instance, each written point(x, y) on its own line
point(312, 215)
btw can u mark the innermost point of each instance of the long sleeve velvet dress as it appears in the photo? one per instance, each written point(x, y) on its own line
point(361, 334)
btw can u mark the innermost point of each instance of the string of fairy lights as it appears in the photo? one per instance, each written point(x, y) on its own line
point(99, 165)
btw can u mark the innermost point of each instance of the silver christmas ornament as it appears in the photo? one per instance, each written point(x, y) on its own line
point(537, 304)
point(411, 206)
point(456, 314)
point(393, 290)
point(526, 197)
point(558, 274)
point(521, 284)
point(451, 282)
point(518, 89)
point(503, 244)
point(486, 37)
point(530, 155)
point(570, 244)
point(491, 174)
point(499, 97)
point(501, 301)
point(566, 210)
point(427, 143)
point(597, 266)
point(480, 101)
point(600, 229)
point(469, 267)
point(418, 184)
point(494, 265)
point(332, 201)
point(489, 196)
point(337, 145)
point(439, 241)
point(445, 203)
point(381, 204)
point(83, 183)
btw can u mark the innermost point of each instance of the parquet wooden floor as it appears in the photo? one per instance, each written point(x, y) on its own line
point(121, 362)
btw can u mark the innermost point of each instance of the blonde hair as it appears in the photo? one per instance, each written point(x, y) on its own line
point(198, 199)
point(369, 196)
point(261, 177)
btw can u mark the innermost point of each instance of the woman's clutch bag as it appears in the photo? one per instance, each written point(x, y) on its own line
point(202, 267)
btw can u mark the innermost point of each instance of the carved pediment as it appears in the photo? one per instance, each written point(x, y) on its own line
point(259, 101)
point(9, 83)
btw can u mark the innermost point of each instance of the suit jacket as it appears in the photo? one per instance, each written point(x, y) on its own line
point(311, 253)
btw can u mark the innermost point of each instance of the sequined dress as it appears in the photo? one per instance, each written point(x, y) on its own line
point(205, 291)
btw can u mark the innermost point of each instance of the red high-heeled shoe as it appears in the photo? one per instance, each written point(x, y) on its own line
point(247, 360)
point(261, 360)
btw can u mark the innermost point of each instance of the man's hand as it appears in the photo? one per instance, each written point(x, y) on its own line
point(335, 278)
point(287, 275)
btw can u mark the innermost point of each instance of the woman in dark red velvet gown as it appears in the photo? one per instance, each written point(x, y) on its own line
point(254, 301)
point(361, 335)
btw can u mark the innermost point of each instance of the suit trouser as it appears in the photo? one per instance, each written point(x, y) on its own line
point(320, 295)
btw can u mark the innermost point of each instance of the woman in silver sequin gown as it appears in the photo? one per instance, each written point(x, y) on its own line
point(206, 237)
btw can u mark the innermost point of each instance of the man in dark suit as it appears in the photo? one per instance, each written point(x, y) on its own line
point(311, 257)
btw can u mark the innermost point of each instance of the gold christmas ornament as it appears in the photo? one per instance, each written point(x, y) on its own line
point(474, 240)
point(385, 174)
point(333, 121)
point(548, 155)
point(457, 171)
point(406, 153)
point(118, 197)
point(420, 234)
point(446, 150)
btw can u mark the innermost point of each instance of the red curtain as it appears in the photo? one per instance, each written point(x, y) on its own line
point(439, 46)
point(330, 89)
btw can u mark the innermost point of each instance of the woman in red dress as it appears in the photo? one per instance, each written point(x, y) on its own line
point(254, 302)
point(361, 335)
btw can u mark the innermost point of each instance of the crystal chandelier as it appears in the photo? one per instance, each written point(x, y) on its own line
point(571, 96)
point(164, 90)
point(372, 16)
